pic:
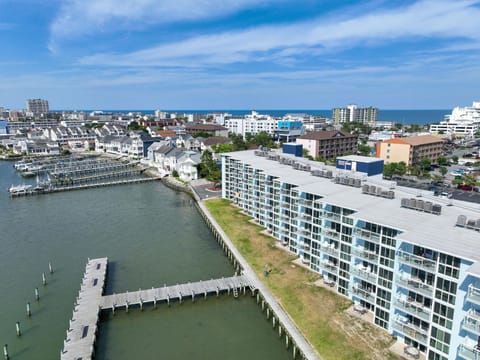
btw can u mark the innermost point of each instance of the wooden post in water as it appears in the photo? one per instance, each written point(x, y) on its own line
point(37, 296)
point(17, 328)
point(50, 268)
point(44, 279)
point(29, 313)
point(5, 352)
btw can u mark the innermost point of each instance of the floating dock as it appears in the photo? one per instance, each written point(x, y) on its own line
point(80, 340)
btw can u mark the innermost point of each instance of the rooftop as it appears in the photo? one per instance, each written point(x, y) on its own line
point(437, 232)
point(324, 135)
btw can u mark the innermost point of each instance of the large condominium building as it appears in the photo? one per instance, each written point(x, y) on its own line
point(462, 121)
point(37, 106)
point(352, 113)
point(412, 262)
point(410, 150)
point(252, 124)
point(329, 144)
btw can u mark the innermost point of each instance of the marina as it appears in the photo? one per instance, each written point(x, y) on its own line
point(172, 245)
point(67, 174)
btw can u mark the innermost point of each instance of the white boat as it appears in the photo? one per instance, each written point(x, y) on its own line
point(19, 189)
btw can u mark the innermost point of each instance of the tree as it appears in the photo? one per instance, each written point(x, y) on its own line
point(425, 164)
point(364, 150)
point(208, 167)
point(443, 171)
point(469, 180)
point(442, 160)
point(223, 148)
point(201, 134)
point(238, 142)
point(455, 159)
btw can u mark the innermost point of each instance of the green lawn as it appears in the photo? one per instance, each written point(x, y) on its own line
point(318, 313)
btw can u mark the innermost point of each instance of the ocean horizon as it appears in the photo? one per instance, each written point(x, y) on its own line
point(418, 117)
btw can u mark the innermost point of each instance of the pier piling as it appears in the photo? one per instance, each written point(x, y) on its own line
point(37, 296)
point(17, 328)
point(5, 352)
point(29, 313)
point(44, 279)
point(50, 268)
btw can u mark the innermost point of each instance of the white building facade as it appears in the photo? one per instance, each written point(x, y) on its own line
point(414, 263)
point(462, 121)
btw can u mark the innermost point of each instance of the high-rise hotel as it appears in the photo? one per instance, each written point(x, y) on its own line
point(409, 258)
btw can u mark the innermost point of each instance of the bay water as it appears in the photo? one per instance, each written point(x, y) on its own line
point(152, 236)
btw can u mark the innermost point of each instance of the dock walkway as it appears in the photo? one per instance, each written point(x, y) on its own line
point(177, 292)
point(81, 333)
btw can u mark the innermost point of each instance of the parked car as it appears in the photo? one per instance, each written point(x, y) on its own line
point(465, 187)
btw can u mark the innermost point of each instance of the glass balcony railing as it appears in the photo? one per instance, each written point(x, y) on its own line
point(328, 265)
point(417, 261)
point(471, 322)
point(469, 352)
point(411, 330)
point(363, 293)
point(332, 216)
point(368, 235)
point(413, 308)
point(305, 202)
point(364, 274)
point(331, 234)
point(329, 248)
point(416, 285)
point(365, 254)
point(473, 294)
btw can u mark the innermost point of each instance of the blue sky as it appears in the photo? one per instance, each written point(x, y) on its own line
point(240, 54)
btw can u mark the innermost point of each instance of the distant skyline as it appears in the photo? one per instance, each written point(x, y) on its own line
point(240, 54)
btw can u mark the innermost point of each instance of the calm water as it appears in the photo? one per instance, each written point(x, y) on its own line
point(152, 236)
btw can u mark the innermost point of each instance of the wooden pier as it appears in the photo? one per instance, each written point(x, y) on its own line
point(166, 294)
point(80, 340)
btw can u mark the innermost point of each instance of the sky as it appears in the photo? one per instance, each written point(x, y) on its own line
point(240, 54)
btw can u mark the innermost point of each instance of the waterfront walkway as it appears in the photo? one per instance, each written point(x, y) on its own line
point(80, 340)
point(165, 294)
point(305, 348)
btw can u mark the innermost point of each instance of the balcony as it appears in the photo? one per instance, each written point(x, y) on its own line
point(364, 254)
point(473, 294)
point(417, 261)
point(331, 234)
point(363, 292)
point(413, 308)
point(411, 330)
point(304, 217)
point(328, 265)
point(368, 235)
point(305, 202)
point(415, 284)
point(332, 216)
point(469, 352)
point(329, 248)
point(471, 322)
point(364, 274)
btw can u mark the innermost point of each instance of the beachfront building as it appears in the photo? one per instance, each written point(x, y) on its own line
point(37, 107)
point(329, 144)
point(462, 121)
point(352, 113)
point(412, 262)
point(411, 150)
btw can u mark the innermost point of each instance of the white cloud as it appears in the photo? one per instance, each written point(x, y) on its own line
point(81, 17)
point(433, 19)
